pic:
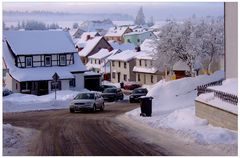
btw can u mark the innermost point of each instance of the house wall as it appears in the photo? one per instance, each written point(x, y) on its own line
point(145, 78)
point(216, 116)
point(12, 84)
point(134, 38)
point(231, 39)
point(79, 81)
point(127, 71)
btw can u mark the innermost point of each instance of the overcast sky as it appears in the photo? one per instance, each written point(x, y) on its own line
point(150, 9)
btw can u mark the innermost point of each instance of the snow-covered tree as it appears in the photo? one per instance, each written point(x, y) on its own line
point(140, 18)
point(75, 25)
point(54, 26)
point(210, 37)
point(35, 25)
point(190, 42)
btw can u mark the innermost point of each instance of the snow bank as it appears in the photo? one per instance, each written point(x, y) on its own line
point(174, 111)
point(229, 86)
point(16, 140)
point(18, 102)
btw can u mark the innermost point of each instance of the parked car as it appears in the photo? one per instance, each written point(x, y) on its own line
point(103, 87)
point(6, 92)
point(112, 94)
point(136, 94)
point(131, 85)
point(87, 100)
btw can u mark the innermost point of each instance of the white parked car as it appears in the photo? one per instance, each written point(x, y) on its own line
point(87, 100)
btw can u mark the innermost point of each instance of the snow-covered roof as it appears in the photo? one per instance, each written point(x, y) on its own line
point(39, 42)
point(102, 53)
point(123, 46)
point(144, 55)
point(91, 73)
point(116, 31)
point(90, 44)
point(137, 33)
point(181, 66)
point(147, 45)
point(40, 73)
point(124, 55)
point(144, 69)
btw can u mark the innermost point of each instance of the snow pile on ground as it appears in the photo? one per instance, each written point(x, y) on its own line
point(174, 111)
point(15, 140)
point(18, 102)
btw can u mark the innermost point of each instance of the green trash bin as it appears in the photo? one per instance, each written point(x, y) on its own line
point(146, 106)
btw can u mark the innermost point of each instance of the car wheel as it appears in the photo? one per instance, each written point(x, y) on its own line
point(102, 107)
point(94, 108)
point(72, 110)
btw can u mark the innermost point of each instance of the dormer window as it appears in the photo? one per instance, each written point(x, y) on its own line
point(63, 60)
point(48, 60)
point(29, 62)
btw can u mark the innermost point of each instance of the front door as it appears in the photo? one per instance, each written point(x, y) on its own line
point(118, 74)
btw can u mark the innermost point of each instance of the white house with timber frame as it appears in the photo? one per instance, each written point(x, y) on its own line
point(30, 58)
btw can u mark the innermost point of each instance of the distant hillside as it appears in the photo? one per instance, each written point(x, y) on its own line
point(46, 15)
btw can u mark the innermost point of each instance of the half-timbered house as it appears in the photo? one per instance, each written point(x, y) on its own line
point(32, 57)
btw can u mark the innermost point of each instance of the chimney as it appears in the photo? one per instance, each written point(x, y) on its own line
point(88, 37)
point(138, 49)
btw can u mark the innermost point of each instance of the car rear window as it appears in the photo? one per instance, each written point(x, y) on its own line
point(85, 96)
point(110, 90)
point(139, 91)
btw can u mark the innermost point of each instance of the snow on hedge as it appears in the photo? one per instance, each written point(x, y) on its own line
point(173, 110)
point(18, 102)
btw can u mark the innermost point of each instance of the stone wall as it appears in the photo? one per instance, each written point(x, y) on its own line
point(216, 116)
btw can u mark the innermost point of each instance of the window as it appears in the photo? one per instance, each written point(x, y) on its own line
point(95, 61)
point(139, 78)
point(119, 64)
point(58, 85)
point(128, 40)
point(113, 64)
point(125, 77)
point(48, 61)
point(125, 65)
point(113, 75)
point(151, 78)
point(72, 82)
point(16, 86)
point(140, 62)
point(145, 63)
point(91, 61)
point(28, 61)
point(5, 71)
point(99, 62)
point(138, 40)
point(63, 60)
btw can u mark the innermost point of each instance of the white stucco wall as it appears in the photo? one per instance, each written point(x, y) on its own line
point(231, 39)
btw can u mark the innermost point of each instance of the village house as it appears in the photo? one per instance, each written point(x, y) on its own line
point(122, 65)
point(138, 36)
point(99, 62)
point(145, 71)
point(31, 58)
point(76, 33)
point(122, 46)
point(116, 33)
point(91, 46)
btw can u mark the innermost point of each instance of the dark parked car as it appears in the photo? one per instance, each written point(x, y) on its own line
point(136, 94)
point(103, 87)
point(112, 94)
point(131, 85)
point(6, 92)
